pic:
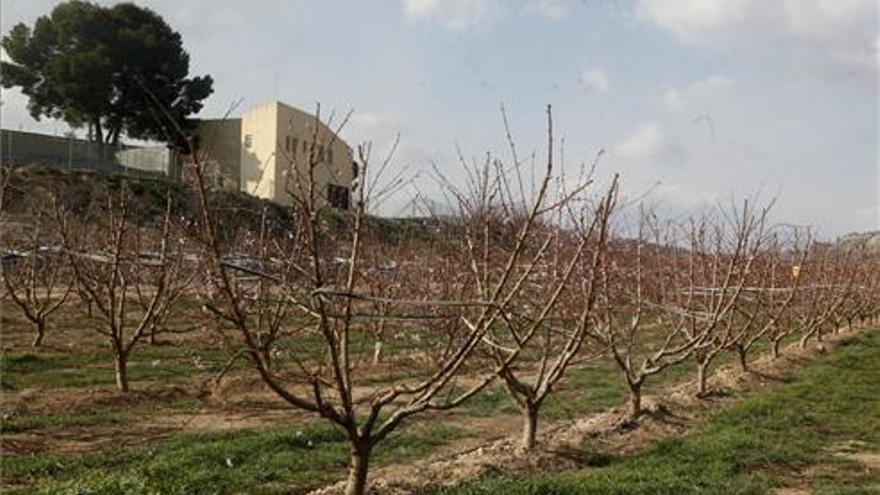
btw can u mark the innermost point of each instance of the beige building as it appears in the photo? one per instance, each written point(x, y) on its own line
point(267, 153)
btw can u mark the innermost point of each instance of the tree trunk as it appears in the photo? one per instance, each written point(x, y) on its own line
point(377, 352)
point(358, 468)
point(702, 379)
point(806, 339)
point(774, 348)
point(266, 353)
point(743, 359)
point(41, 332)
point(530, 426)
point(114, 136)
point(121, 372)
point(99, 133)
point(635, 400)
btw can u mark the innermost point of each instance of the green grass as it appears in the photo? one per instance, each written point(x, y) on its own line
point(584, 390)
point(89, 418)
point(258, 461)
point(752, 447)
point(52, 369)
point(95, 414)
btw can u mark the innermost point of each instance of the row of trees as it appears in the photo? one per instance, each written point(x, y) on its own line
point(535, 273)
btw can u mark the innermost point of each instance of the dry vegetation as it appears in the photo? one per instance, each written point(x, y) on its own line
point(521, 304)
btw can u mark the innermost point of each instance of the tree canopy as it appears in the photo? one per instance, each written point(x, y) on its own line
point(117, 70)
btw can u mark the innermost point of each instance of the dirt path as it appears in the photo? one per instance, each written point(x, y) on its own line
point(560, 443)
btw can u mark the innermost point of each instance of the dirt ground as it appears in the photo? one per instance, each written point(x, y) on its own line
point(153, 411)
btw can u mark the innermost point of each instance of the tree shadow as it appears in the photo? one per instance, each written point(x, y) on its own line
point(773, 377)
point(585, 456)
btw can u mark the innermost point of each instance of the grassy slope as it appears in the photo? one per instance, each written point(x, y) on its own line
point(785, 436)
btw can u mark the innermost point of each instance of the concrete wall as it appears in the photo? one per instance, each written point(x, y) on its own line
point(157, 159)
point(27, 148)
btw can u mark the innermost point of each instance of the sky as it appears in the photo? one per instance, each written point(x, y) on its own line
point(695, 102)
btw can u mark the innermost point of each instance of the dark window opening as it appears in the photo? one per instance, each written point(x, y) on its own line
point(337, 196)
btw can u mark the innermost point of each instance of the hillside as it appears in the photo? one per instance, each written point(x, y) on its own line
point(236, 211)
point(78, 190)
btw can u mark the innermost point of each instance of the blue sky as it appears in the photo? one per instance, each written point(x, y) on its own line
point(710, 99)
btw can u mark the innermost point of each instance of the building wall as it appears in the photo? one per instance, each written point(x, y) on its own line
point(220, 145)
point(269, 150)
point(297, 141)
point(259, 145)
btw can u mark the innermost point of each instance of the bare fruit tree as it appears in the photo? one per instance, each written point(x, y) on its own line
point(640, 316)
point(35, 276)
point(545, 330)
point(859, 299)
point(668, 288)
point(726, 249)
point(129, 276)
point(772, 290)
point(828, 281)
point(323, 275)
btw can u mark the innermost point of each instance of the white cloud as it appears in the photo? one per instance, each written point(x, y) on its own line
point(551, 9)
point(683, 198)
point(696, 20)
point(814, 32)
point(737, 20)
point(454, 15)
point(646, 142)
point(463, 15)
point(595, 81)
point(373, 127)
point(710, 87)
